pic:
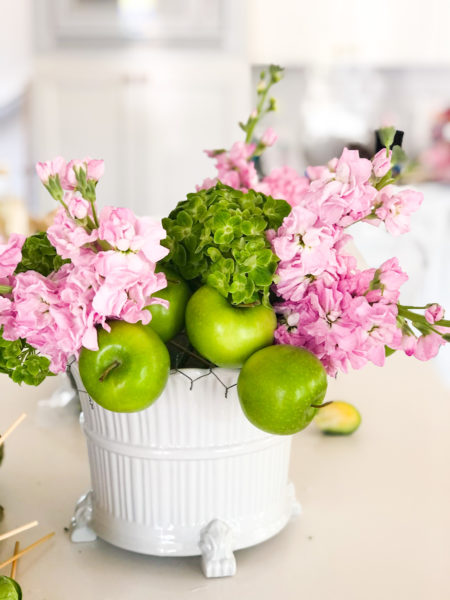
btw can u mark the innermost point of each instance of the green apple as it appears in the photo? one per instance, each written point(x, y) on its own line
point(167, 322)
point(9, 589)
point(224, 334)
point(279, 388)
point(338, 418)
point(129, 370)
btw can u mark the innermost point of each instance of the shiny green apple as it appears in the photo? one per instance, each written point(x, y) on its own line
point(129, 370)
point(280, 387)
point(167, 322)
point(224, 334)
point(9, 589)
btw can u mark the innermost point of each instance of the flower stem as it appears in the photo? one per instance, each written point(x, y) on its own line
point(5, 289)
point(251, 129)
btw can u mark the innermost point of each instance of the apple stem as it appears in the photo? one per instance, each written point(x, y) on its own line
point(249, 305)
point(322, 405)
point(108, 370)
point(193, 354)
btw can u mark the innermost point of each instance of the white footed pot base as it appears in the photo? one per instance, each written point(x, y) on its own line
point(187, 476)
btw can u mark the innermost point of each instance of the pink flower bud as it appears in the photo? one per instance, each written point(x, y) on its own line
point(95, 169)
point(78, 206)
point(269, 137)
point(50, 168)
point(434, 313)
point(381, 163)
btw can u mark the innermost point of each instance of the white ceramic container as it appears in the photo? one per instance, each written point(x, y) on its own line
point(188, 475)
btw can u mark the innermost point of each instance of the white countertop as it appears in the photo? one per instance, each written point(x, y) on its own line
point(375, 522)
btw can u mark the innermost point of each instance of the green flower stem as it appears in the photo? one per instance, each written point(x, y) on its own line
point(420, 320)
point(275, 74)
point(386, 180)
point(5, 289)
point(104, 245)
point(259, 114)
point(416, 307)
point(94, 212)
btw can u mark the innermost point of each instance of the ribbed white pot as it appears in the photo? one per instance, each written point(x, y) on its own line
point(161, 475)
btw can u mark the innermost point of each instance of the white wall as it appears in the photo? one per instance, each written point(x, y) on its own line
point(15, 48)
point(381, 33)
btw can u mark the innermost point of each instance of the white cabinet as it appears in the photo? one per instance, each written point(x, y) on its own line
point(148, 114)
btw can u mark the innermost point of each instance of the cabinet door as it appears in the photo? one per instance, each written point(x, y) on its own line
point(149, 119)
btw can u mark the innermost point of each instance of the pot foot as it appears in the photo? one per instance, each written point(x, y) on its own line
point(216, 543)
point(80, 529)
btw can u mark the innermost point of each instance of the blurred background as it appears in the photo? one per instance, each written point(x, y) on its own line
point(148, 84)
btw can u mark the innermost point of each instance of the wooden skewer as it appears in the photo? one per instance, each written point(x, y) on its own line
point(11, 428)
point(8, 534)
point(27, 549)
point(14, 562)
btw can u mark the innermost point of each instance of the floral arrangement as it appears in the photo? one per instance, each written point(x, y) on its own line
point(345, 316)
point(57, 287)
point(278, 240)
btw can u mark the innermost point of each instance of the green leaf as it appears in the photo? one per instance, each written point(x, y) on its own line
point(218, 281)
point(20, 361)
point(218, 236)
point(399, 156)
point(224, 236)
point(39, 255)
point(214, 254)
point(387, 135)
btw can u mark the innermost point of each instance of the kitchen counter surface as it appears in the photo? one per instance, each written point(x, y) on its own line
point(375, 522)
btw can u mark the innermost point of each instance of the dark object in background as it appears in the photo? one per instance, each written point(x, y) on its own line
point(398, 140)
point(364, 150)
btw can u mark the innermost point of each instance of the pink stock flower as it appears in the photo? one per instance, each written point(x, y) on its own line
point(381, 162)
point(79, 208)
point(93, 167)
point(391, 278)
point(11, 254)
point(319, 172)
point(285, 183)
point(69, 238)
point(395, 208)
point(269, 137)
point(50, 168)
point(428, 346)
point(126, 278)
point(234, 167)
point(352, 170)
point(126, 232)
point(434, 313)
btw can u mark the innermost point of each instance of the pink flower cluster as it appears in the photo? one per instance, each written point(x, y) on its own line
point(343, 315)
point(111, 273)
point(234, 167)
point(66, 172)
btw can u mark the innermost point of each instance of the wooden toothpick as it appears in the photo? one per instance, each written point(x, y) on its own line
point(11, 428)
point(8, 534)
point(14, 562)
point(27, 549)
